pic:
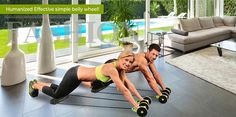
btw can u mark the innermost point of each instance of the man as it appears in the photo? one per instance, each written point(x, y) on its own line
point(144, 62)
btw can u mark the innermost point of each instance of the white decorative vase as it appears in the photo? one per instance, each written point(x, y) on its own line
point(13, 68)
point(141, 45)
point(128, 46)
point(46, 56)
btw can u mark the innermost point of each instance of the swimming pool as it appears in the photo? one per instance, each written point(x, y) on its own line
point(64, 30)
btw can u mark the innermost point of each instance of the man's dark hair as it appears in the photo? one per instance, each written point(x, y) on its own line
point(110, 61)
point(154, 46)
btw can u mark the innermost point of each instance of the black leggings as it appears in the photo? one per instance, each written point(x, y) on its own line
point(68, 84)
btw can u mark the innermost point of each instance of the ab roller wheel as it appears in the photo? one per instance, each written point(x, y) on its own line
point(163, 99)
point(165, 95)
point(148, 99)
point(168, 89)
point(144, 106)
point(142, 111)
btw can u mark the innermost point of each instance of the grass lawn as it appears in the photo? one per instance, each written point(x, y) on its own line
point(59, 44)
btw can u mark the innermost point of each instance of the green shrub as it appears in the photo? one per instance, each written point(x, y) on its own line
point(229, 7)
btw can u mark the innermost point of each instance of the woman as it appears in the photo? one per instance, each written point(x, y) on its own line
point(114, 71)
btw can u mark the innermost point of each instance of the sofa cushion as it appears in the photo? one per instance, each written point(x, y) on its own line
point(218, 21)
point(200, 35)
point(229, 20)
point(177, 38)
point(190, 24)
point(233, 29)
point(206, 22)
point(180, 32)
point(233, 34)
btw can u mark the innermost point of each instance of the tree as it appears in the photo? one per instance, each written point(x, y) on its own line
point(182, 6)
point(154, 8)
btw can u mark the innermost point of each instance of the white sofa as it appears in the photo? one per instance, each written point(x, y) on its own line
point(203, 31)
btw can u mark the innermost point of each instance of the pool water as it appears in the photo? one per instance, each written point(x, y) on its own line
point(105, 26)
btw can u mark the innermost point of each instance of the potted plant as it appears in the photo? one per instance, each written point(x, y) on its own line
point(121, 13)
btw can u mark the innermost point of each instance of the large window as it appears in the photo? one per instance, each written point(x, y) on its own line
point(205, 8)
point(29, 30)
point(30, 26)
point(201, 8)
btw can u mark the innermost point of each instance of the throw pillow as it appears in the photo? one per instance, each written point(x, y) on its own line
point(229, 20)
point(190, 24)
point(206, 22)
point(218, 21)
point(180, 32)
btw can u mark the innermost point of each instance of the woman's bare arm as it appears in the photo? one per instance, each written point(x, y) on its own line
point(132, 88)
point(113, 73)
